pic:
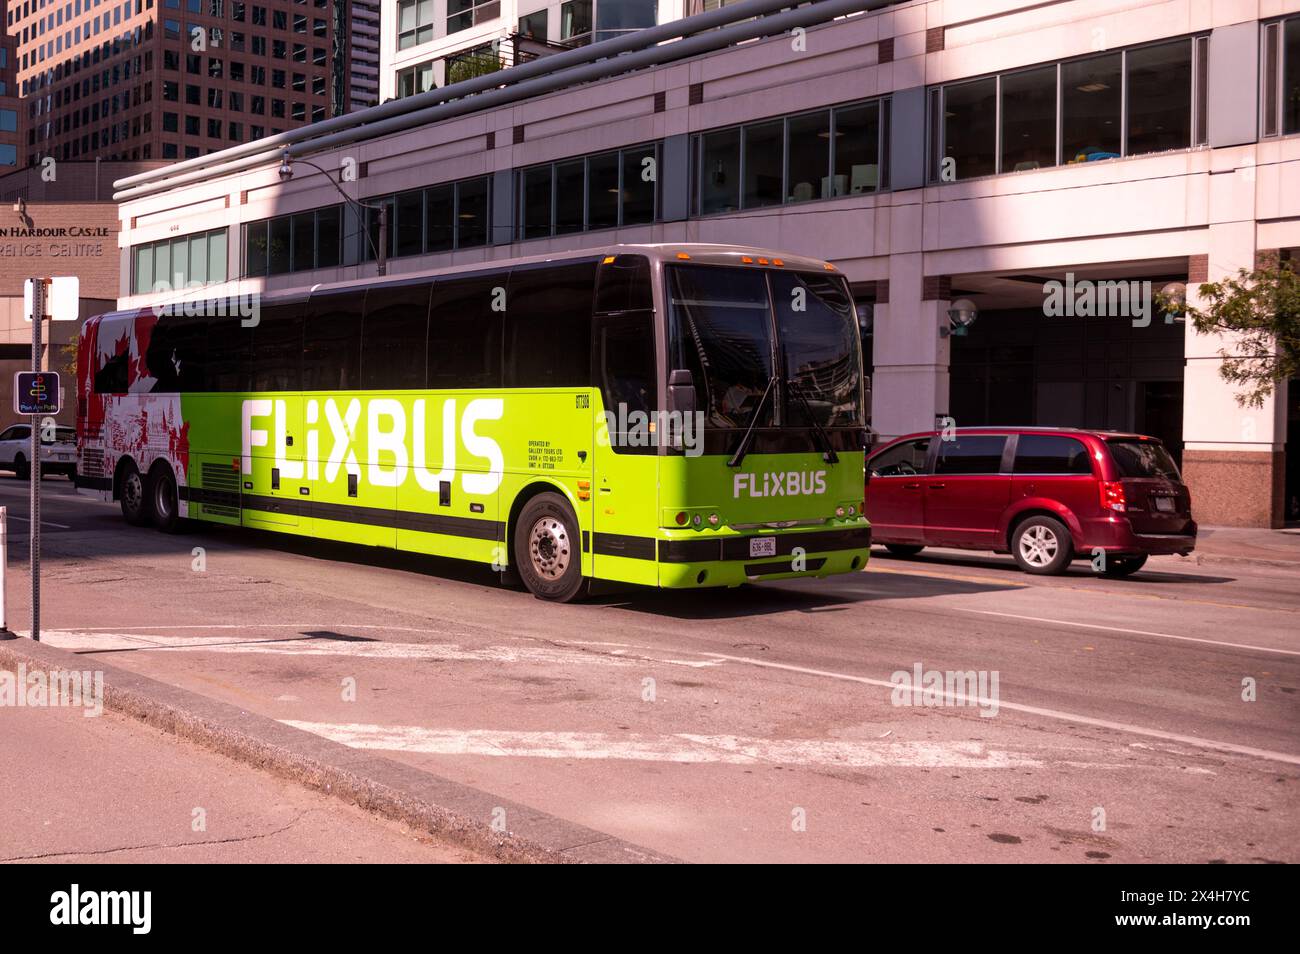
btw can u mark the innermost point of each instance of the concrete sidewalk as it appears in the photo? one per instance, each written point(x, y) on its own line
point(1247, 545)
point(483, 823)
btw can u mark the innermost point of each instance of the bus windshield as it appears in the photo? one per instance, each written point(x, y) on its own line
point(721, 329)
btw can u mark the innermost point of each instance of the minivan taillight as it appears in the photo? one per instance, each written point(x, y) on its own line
point(1112, 496)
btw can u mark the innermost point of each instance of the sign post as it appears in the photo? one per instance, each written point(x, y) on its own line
point(37, 394)
point(38, 320)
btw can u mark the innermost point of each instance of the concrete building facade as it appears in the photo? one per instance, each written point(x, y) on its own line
point(65, 225)
point(1009, 152)
point(128, 80)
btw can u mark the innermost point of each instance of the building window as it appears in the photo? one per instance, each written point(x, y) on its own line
point(1159, 84)
point(1281, 77)
point(450, 216)
point(616, 17)
point(415, 79)
point(817, 155)
point(1029, 120)
point(602, 191)
point(179, 262)
point(533, 25)
point(414, 23)
point(463, 14)
point(575, 22)
point(294, 243)
point(1124, 103)
point(1091, 108)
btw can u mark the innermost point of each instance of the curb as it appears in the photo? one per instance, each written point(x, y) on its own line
point(390, 789)
point(1204, 559)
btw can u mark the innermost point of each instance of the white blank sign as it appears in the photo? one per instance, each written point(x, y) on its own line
point(62, 298)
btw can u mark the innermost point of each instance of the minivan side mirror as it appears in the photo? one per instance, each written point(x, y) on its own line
point(681, 391)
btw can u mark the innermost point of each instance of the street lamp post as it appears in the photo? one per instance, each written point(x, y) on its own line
point(381, 252)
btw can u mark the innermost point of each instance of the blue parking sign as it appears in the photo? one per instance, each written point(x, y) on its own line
point(36, 392)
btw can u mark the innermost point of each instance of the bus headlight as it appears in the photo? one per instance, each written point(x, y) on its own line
point(713, 519)
point(839, 511)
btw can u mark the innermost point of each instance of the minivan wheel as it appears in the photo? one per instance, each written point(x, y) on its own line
point(131, 494)
point(904, 549)
point(548, 549)
point(22, 469)
point(1042, 545)
point(1124, 566)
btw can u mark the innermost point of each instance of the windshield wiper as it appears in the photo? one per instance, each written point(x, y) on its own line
point(828, 449)
point(743, 449)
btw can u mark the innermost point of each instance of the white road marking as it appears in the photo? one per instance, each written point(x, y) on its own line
point(298, 645)
point(44, 523)
point(725, 749)
point(77, 641)
point(961, 699)
point(1134, 632)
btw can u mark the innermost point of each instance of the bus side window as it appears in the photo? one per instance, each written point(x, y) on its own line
point(115, 338)
point(624, 285)
point(548, 325)
point(228, 345)
point(394, 336)
point(332, 342)
point(625, 356)
point(277, 347)
point(176, 353)
point(465, 316)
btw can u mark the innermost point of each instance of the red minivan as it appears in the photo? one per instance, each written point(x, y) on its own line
point(1045, 495)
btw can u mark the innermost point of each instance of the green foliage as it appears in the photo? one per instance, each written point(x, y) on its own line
point(1259, 313)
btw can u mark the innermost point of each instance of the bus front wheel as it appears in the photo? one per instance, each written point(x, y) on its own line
point(548, 553)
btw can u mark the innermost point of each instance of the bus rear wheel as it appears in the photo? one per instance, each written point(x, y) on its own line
point(131, 495)
point(166, 510)
point(548, 553)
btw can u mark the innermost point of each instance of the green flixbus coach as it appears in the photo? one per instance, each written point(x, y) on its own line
point(671, 415)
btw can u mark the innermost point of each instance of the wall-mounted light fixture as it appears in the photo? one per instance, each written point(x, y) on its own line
point(961, 315)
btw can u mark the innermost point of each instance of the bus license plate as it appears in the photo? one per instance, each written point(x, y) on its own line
point(1165, 504)
point(762, 546)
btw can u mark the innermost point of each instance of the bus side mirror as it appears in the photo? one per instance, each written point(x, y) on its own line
point(681, 392)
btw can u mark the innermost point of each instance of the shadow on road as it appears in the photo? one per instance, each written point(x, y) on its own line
point(1076, 571)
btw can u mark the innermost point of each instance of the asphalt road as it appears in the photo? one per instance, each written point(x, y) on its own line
point(756, 724)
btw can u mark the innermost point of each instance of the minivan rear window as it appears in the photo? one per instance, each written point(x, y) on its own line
point(1050, 454)
point(1142, 459)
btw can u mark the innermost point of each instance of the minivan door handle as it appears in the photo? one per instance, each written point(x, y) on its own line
point(937, 486)
point(911, 486)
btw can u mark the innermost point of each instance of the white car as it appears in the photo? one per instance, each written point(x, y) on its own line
point(57, 457)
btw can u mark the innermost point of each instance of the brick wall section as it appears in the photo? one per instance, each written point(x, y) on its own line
point(1198, 269)
point(1236, 488)
point(1268, 257)
point(882, 291)
point(661, 101)
point(491, 140)
point(92, 258)
point(519, 135)
point(934, 39)
point(936, 288)
point(695, 94)
point(885, 50)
